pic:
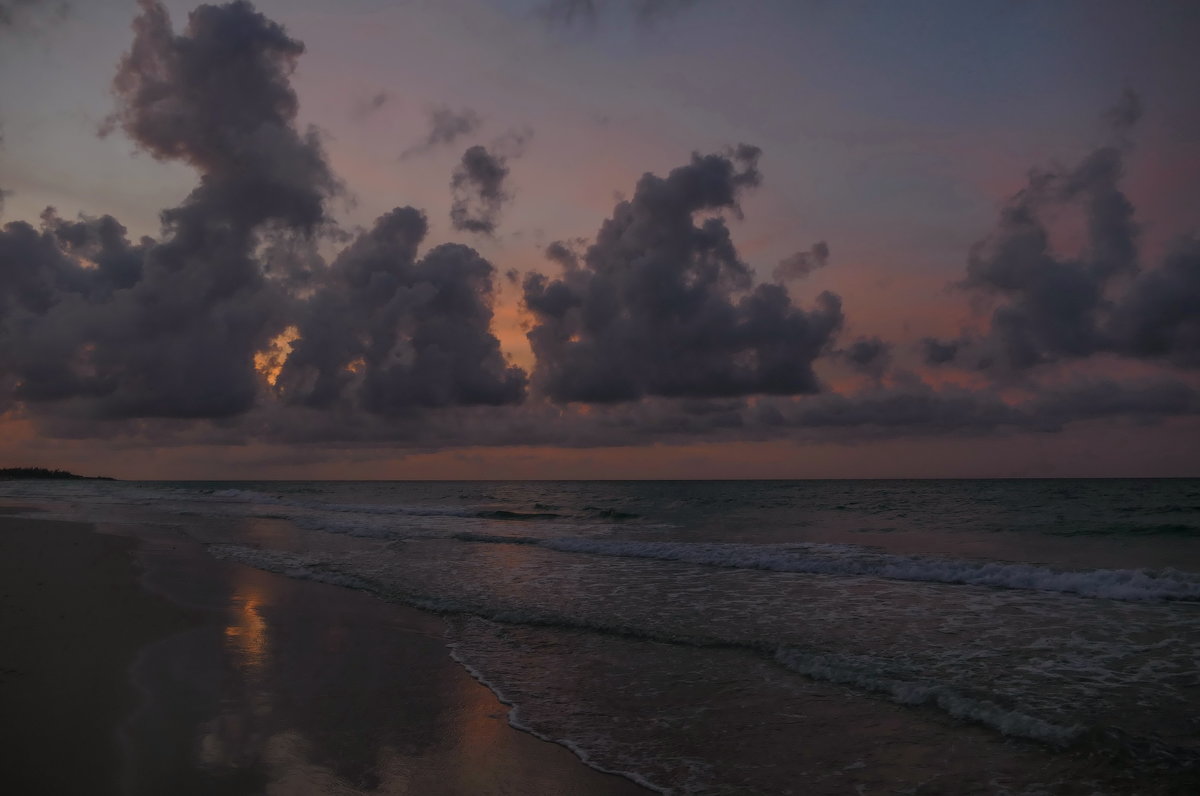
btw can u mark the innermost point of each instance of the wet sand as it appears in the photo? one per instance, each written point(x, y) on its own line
point(152, 668)
point(72, 618)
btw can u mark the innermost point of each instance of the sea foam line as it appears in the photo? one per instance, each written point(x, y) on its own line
point(1129, 585)
point(514, 721)
point(817, 666)
point(1115, 584)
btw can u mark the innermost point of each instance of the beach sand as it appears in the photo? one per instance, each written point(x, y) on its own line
point(72, 619)
point(150, 668)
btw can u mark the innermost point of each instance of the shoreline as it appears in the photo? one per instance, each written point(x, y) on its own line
point(147, 666)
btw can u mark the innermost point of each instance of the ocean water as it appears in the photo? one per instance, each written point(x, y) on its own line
point(1023, 636)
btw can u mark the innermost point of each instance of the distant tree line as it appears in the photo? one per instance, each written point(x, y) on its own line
point(14, 473)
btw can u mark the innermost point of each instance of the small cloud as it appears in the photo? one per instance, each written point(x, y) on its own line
point(445, 127)
point(479, 182)
point(586, 13)
point(366, 106)
point(801, 264)
point(479, 191)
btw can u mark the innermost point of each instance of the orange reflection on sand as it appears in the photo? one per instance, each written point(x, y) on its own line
point(481, 737)
point(247, 634)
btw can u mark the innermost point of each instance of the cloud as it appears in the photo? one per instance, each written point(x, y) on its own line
point(801, 264)
point(661, 304)
point(106, 327)
point(231, 326)
point(869, 355)
point(938, 352)
point(1159, 318)
point(16, 14)
point(568, 13)
point(445, 127)
point(478, 188)
point(234, 308)
point(1053, 307)
point(365, 106)
point(388, 332)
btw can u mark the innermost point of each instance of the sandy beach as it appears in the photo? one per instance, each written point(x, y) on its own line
point(149, 668)
point(73, 618)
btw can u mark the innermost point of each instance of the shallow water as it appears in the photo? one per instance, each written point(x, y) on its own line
point(994, 636)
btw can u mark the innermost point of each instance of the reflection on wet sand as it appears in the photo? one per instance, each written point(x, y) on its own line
point(231, 739)
point(303, 688)
point(246, 635)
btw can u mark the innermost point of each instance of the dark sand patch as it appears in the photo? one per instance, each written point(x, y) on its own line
point(72, 619)
point(242, 682)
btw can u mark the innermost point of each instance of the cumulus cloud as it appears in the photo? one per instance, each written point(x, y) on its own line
point(1052, 307)
point(169, 327)
point(479, 189)
point(230, 325)
point(445, 127)
point(1159, 317)
point(392, 332)
point(661, 304)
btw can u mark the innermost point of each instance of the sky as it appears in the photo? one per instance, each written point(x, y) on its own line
point(600, 238)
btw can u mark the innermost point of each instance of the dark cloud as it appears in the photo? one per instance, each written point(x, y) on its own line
point(869, 355)
point(105, 327)
point(905, 408)
point(219, 97)
point(801, 264)
point(1145, 400)
point(662, 305)
point(445, 127)
point(938, 352)
point(479, 191)
point(1159, 317)
point(1051, 307)
point(390, 332)
point(231, 326)
point(915, 408)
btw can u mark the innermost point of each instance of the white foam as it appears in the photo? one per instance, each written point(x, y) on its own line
point(845, 671)
point(514, 721)
point(861, 672)
point(815, 559)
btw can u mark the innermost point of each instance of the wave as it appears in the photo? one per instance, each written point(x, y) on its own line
point(500, 514)
point(251, 496)
point(857, 671)
point(1148, 529)
point(515, 721)
point(609, 514)
point(814, 559)
point(1129, 585)
point(1008, 721)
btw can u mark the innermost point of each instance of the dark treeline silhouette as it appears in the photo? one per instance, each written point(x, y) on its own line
point(14, 473)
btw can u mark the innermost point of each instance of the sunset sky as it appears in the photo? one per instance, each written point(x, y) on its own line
point(600, 238)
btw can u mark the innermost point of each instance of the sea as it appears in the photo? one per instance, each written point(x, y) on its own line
point(841, 636)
